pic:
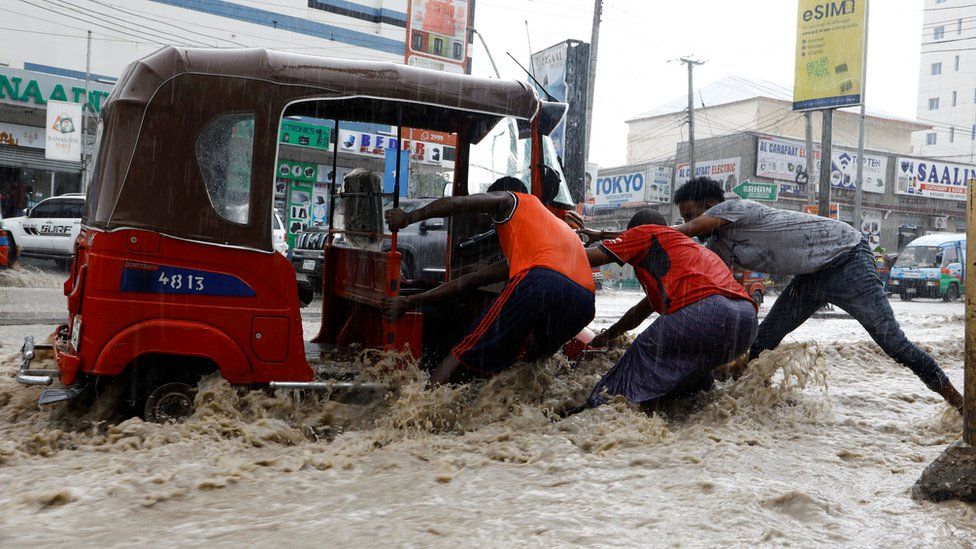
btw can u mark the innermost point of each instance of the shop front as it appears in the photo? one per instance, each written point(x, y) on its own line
point(27, 176)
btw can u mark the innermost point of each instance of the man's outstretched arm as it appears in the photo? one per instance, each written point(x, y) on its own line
point(631, 319)
point(495, 204)
point(703, 225)
point(394, 307)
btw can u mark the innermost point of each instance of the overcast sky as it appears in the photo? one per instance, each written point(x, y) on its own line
point(639, 38)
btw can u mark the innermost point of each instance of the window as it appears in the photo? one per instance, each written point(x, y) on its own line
point(949, 255)
point(938, 33)
point(953, 99)
point(933, 103)
point(959, 26)
point(973, 135)
point(223, 153)
point(952, 135)
point(73, 209)
point(957, 63)
point(930, 138)
point(936, 68)
point(47, 209)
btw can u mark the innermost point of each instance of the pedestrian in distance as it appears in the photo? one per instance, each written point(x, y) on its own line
point(830, 261)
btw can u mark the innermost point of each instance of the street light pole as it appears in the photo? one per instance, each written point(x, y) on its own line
point(591, 78)
point(84, 120)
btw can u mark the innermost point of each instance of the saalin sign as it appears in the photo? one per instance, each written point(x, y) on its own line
point(933, 178)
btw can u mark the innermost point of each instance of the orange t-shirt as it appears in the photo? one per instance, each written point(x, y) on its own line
point(533, 237)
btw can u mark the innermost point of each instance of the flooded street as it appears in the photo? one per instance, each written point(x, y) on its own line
point(824, 454)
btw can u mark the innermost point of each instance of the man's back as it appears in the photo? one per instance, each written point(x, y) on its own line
point(771, 240)
point(533, 237)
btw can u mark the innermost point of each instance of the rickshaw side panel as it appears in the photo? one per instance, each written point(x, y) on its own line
point(145, 293)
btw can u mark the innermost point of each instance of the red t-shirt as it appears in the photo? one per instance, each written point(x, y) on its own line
point(533, 237)
point(673, 270)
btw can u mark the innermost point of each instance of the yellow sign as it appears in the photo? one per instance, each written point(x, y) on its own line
point(829, 54)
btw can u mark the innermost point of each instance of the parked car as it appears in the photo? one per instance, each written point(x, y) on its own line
point(278, 235)
point(422, 246)
point(48, 230)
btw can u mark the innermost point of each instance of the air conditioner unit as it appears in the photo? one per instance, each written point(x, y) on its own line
point(939, 222)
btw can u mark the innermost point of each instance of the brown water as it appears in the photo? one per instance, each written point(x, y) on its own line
point(773, 458)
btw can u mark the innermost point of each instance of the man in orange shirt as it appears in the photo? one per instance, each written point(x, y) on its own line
point(549, 296)
point(707, 318)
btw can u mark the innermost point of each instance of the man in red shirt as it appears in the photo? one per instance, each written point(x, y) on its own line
point(549, 294)
point(707, 318)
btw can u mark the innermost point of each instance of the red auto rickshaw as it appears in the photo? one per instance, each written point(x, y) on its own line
point(175, 275)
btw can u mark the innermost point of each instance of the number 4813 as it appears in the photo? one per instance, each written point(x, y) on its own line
point(175, 282)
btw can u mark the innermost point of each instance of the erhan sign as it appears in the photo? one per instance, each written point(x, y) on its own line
point(63, 135)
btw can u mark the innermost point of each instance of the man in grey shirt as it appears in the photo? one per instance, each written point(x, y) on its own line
point(831, 263)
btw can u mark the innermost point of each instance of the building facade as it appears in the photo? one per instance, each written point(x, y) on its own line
point(46, 52)
point(946, 88)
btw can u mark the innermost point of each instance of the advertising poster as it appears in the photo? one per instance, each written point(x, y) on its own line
point(658, 185)
point(932, 178)
point(813, 209)
point(295, 170)
point(303, 134)
point(871, 227)
point(725, 171)
point(63, 131)
point(437, 32)
point(298, 211)
point(785, 160)
point(549, 68)
point(22, 136)
point(829, 54)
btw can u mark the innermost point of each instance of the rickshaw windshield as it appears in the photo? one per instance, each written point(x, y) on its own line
point(502, 154)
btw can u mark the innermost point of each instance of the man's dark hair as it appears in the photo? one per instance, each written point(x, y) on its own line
point(647, 216)
point(700, 189)
point(508, 183)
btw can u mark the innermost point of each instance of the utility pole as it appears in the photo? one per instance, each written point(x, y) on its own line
point(811, 188)
point(84, 121)
point(591, 79)
point(826, 138)
point(691, 113)
point(859, 184)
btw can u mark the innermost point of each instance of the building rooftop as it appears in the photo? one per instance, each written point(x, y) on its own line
point(732, 89)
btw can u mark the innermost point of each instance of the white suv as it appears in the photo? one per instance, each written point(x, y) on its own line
point(49, 229)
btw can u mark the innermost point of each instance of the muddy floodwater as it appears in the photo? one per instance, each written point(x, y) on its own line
point(818, 445)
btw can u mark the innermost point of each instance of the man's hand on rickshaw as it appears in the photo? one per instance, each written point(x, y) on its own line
point(394, 307)
point(602, 339)
point(574, 220)
point(397, 219)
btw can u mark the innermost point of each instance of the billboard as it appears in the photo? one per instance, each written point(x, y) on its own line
point(725, 171)
point(932, 178)
point(640, 186)
point(437, 34)
point(563, 70)
point(62, 139)
point(829, 54)
point(785, 160)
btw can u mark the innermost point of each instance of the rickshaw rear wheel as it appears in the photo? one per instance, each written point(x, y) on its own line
point(170, 403)
point(905, 297)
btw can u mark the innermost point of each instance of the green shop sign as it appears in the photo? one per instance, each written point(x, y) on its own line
point(294, 170)
point(19, 87)
point(748, 190)
point(304, 134)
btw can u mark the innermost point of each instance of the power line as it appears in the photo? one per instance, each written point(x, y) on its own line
point(162, 35)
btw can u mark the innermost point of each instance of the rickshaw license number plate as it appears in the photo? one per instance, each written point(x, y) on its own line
point(75, 333)
point(910, 290)
point(308, 265)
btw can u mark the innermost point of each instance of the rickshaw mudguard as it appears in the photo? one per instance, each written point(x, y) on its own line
point(174, 337)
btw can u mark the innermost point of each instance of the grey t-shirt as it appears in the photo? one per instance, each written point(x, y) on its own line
point(770, 240)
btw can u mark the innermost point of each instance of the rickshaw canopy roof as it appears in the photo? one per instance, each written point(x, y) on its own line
point(146, 174)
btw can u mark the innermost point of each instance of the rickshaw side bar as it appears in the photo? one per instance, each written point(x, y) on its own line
point(396, 181)
point(335, 177)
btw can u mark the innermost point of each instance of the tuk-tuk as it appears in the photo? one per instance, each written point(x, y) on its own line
point(175, 274)
point(754, 283)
